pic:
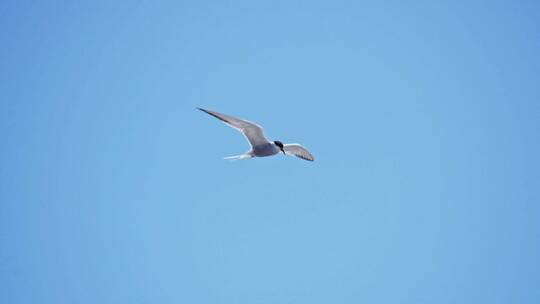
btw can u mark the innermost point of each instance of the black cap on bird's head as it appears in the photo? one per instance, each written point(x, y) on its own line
point(280, 145)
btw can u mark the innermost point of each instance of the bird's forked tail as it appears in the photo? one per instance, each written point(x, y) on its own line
point(238, 157)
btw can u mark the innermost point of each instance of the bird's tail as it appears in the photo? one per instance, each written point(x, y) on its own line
point(238, 157)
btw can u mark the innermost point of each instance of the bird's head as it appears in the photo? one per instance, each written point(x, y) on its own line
point(280, 145)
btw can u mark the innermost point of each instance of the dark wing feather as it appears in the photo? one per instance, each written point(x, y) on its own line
point(298, 151)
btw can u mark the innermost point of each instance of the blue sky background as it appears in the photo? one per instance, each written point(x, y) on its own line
point(423, 117)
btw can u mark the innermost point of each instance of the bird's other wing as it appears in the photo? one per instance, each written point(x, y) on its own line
point(298, 151)
point(252, 131)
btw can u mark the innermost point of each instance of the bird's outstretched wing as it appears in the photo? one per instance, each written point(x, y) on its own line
point(252, 131)
point(298, 151)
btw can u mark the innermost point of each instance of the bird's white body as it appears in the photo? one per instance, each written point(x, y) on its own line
point(260, 146)
point(267, 149)
point(261, 150)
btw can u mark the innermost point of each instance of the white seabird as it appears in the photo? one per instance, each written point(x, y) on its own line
point(260, 146)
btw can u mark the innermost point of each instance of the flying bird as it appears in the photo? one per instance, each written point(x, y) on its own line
point(260, 146)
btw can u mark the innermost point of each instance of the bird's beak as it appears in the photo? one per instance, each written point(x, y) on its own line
point(283, 151)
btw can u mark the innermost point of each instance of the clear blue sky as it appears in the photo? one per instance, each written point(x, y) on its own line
point(423, 117)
